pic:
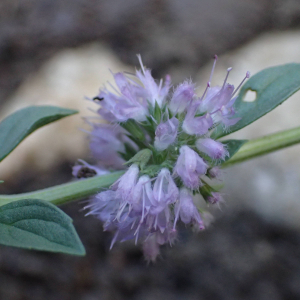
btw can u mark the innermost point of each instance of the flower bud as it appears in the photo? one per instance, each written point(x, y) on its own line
point(212, 148)
point(125, 183)
point(215, 198)
point(165, 190)
point(187, 210)
point(189, 167)
point(196, 125)
point(214, 172)
point(182, 96)
point(165, 134)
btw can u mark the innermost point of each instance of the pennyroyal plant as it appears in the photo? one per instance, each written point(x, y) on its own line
point(157, 153)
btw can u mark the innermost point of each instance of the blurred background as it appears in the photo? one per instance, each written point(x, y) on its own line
point(59, 51)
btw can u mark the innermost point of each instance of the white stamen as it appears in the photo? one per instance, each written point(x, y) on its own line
point(133, 223)
point(213, 68)
point(141, 62)
point(228, 70)
point(114, 240)
point(207, 86)
point(160, 84)
point(246, 77)
point(121, 208)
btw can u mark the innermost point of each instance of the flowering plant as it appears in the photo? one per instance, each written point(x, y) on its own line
point(158, 153)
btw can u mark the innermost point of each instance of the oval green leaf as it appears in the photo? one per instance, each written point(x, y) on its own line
point(17, 126)
point(272, 86)
point(39, 225)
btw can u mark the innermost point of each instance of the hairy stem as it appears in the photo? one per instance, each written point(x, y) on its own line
point(264, 145)
point(67, 192)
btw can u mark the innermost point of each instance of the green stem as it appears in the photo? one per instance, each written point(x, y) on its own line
point(264, 145)
point(67, 192)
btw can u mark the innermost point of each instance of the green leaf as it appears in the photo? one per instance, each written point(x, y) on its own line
point(39, 225)
point(233, 147)
point(157, 113)
point(17, 126)
point(272, 86)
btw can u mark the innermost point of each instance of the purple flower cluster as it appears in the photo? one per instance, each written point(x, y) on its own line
point(165, 137)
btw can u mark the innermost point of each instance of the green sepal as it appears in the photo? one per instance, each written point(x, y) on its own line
point(151, 170)
point(207, 189)
point(134, 129)
point(157, 113)
point(141, 158)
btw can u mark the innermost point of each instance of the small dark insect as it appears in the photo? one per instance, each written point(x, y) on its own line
point(98, 98)
point(86, 172)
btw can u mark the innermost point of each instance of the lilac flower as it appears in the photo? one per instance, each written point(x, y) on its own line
point(212, 148)
point(151, 248)
point(219, 102)
point(104, 205)
point(126, 183)
point(190, 166)
point(216, 97)
point(182, 97)
point(224, 114)
point(186, 209)
point(141, 196)
point(165, 134)
point(165, 191)
point(154, 240)
point(122, 107)
point(154, 92)
point(196, 125)
point(147, 202)
point(214, 173)
point(106, 144)
point(214, 198)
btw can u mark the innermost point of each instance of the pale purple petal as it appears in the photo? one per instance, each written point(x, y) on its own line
point(215, 198)
point(212, 148)
point(165, 190)
point(126, 183)
point(182, 97)
point(190, 166)
point(151, 248)
point(105, 144)
point(187, 210)
point(196, 125)
point(166, 134)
